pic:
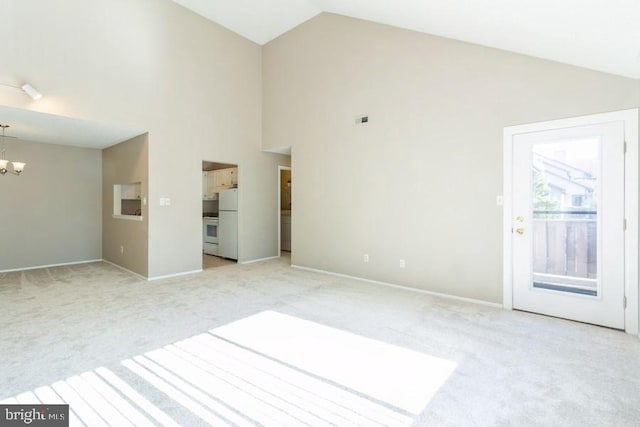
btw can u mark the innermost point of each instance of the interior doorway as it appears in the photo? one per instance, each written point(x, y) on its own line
point(285, 205)
point(219, 214)
point(571, 189)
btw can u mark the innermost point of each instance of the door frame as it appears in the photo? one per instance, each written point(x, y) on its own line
point(280, 169)
point(630, 120)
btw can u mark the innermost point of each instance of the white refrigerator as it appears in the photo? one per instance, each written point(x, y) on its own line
point(228, 224)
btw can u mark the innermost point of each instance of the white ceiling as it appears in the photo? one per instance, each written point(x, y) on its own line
point(39, 127)
point(602, 35)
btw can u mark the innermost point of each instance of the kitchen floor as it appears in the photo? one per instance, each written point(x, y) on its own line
point(210, 261)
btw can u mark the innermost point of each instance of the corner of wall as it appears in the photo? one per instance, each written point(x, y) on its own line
point(125, 241)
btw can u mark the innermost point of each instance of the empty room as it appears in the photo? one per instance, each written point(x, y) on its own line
point(315, 212)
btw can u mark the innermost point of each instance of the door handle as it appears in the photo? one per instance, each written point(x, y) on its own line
point(520, 231)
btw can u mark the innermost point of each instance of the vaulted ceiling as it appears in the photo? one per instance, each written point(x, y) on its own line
point(602, 35)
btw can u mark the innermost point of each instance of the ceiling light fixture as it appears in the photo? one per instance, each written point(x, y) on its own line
point(18, 167)
point(26, 88)
point(31, 91)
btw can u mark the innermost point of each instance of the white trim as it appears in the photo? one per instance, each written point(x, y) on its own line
point(128, 217)
point(37, 267)
point(405, 288)
point(631, 291)
point(507, 214)
point(253, 261)
point(140, 276)
point(168, 276)
point(630, 119)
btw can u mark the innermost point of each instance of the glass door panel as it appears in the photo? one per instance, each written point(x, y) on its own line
point(564, 200)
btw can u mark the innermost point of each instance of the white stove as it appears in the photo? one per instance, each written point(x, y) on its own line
point(210, 235)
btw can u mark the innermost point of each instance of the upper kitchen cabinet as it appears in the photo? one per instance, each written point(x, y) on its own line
point(217, 177)
point(209, 190)
point(130, 191)
point(233, 172)
point(214, 181)
point(225, 178)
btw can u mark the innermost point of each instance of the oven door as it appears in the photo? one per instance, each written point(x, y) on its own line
point(211, 231)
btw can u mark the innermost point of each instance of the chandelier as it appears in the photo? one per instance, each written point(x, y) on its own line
point(18, 167)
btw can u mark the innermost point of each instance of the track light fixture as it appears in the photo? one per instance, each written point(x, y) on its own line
point(26, 88)
point(31, 91)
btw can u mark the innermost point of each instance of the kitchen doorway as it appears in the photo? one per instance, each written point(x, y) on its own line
point(285, 189)
point(219, 214)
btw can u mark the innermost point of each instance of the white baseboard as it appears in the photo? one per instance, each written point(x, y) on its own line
point(37, 267)
point(259, 260)
point(125, 269)
point(168, 276)
point(406, 288)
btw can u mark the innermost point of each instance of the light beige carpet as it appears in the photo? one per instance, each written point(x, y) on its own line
point(267, 344)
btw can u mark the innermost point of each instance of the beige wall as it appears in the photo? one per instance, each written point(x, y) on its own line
point(401, 186)
point(419, 181)
point(51, 214)
point(151, 64)
point(126, 163)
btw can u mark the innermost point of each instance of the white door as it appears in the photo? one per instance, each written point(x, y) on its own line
point(568, 223)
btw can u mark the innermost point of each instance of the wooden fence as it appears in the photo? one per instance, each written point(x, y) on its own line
point(565, 247)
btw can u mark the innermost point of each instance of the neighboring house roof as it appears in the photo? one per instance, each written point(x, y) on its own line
point(563, 176)
point(571, 170)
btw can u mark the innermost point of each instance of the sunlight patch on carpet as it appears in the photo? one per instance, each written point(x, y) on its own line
point(267, 369)
point(400, 377)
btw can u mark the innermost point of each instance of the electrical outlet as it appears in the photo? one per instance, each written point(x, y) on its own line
point(403, 263)
point(366, 258)
point(121, 249)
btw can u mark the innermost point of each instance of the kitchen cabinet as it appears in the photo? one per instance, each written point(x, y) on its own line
point(217, 180)
point(225, 178)
point(212, 189)
point(209, 189)
point(130, 191)
point(233, 172)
